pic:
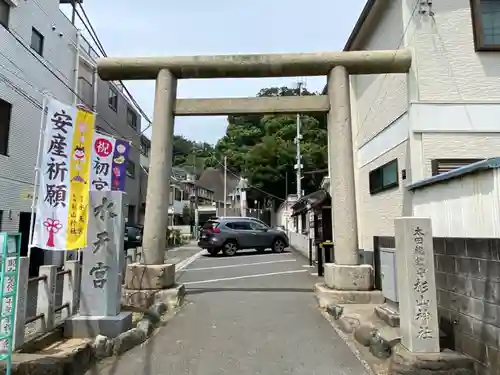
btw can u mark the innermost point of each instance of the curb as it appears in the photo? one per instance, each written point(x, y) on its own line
point(351, 345)
point(89, 353)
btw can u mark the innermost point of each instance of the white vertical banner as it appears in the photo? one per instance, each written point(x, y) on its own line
point(103, 148)
point(54, 171)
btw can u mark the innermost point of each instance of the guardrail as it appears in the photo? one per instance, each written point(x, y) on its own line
point(47, 315)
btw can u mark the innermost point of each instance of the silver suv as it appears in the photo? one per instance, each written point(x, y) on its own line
point(232, 234)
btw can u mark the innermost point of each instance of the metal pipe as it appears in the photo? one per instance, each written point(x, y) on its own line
point(77, 66)
point(319, 257)
point(225, 185)
point(63, 272)
point(37, 175)
point(38, 278)
point(31, 319)
point(63, 306)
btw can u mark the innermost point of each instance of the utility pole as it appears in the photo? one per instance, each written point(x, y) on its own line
point(225, 185)
point(298, 166)
point(73, 12)
point(196, 212)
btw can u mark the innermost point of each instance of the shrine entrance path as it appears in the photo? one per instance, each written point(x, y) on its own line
point(249, 314)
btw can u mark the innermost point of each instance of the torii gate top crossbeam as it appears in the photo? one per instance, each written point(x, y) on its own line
point(249, 66)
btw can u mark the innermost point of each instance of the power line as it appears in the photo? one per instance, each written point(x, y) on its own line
point(38, 104)
point(95, 38)
point(239, 177)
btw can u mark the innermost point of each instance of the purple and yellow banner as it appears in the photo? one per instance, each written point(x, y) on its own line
point(119, 165)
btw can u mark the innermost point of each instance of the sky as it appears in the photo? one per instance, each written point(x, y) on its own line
point(201, 27)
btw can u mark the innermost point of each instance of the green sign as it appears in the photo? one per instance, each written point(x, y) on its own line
point(9, 268)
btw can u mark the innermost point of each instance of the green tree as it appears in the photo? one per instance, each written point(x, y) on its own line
point(187, 215)
point(191, 155)
point(262, 148)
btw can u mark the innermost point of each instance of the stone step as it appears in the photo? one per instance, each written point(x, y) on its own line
point(388, 314)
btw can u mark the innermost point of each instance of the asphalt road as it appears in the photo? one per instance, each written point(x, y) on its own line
point(247, 315)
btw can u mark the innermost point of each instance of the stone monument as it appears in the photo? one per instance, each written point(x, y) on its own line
point(102, 271)
point(419, 351)
point(416, 285)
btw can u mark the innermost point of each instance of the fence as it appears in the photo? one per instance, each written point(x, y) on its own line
point(300, 242)
point(43, 302)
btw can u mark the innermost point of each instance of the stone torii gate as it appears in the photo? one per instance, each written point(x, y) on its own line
point(335, 65)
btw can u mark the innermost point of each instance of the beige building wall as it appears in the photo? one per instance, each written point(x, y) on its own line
point(369, 94)
point(380, 209)
point(448, 67)
point(458, 145)
point(387, 91)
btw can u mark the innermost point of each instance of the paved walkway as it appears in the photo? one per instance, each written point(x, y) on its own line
point(247, 315)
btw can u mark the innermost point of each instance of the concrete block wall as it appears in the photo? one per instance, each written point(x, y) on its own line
point(468, 291)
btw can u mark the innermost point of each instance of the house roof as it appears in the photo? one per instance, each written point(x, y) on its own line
point(213, 179)
point(313, 200)
point(359, 24)
point(482, 165)
point(367, 10)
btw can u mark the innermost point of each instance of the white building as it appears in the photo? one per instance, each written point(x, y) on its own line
point(37, 53)
point(441, 115)
point(284, 213)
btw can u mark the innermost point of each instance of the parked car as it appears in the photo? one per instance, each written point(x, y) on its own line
point(236, 218)
point(232, 234)
point(239, 218)
point(133, 236)
point(281, 228)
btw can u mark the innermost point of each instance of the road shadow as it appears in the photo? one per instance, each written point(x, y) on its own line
point(244, 253)
point(193, 291)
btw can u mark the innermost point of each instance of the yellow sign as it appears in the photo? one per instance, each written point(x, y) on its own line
point(79, 188)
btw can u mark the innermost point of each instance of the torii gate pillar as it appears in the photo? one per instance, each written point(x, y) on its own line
point(160, 166)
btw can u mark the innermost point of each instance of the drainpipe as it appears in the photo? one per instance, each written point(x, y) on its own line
point(77, 66)
point(95, 81)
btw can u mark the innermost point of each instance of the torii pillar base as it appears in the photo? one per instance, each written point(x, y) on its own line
point(146, 285)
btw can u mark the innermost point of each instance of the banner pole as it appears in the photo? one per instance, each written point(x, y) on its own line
point(37, 173)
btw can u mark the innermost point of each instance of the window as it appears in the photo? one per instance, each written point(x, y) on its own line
point(239, 225)
point(131, 169)
point(486, 24)
point(257, 226)
point(37, 41)
point(178, 195)
point(4, 13)
point(145, 147)
point(113, 98)
point(384, 177)
point(5, 117)
point(131, 118)
point(210, 225)
point(439, 166)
